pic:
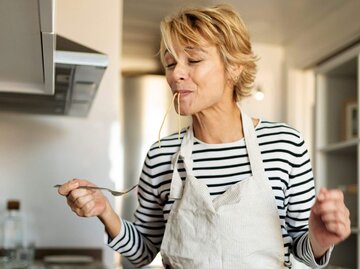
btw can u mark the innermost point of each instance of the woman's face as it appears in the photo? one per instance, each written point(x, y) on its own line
point(198, 75)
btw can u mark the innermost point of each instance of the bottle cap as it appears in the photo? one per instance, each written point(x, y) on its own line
point(13, 205)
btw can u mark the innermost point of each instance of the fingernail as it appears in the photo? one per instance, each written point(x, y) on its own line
point(75, 184)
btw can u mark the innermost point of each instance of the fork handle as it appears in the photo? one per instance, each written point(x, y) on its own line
point(93, 187)
point(83, 187)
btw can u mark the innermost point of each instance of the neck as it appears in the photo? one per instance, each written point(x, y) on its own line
point(218, 125)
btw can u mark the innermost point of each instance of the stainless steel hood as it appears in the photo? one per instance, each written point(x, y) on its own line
point(41, 72)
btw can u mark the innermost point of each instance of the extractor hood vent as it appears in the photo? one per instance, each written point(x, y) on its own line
point(78, 72)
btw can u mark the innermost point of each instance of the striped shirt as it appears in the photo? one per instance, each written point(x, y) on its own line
point(219, 166)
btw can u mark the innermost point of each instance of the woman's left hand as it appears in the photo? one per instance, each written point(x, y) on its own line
point(329, 222)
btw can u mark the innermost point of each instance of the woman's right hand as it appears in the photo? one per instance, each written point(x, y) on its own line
point(84, 202)
point(89, 203)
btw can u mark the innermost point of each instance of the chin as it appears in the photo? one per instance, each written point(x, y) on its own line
point(185, 113)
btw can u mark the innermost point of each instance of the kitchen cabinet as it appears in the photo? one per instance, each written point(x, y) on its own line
point(27, 46)
point(337, 142)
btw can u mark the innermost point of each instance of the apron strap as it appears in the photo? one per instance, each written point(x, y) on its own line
point(256, 163)
point(185, 153)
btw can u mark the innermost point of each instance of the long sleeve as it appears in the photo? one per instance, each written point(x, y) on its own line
point(140, 241)
point(300, 197)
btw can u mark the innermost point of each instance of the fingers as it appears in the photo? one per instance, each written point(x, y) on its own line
point(79, 197)
point(83, 202)
point(69, 186)
point(326, 194)
point(342, 216)
point(330, 207)
point(337, 222)
point(84, 206)
point(328, 200)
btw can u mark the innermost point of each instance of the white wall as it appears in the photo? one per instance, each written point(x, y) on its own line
point(37, 152)
point(330, 34)
point(270, 77)
point(300, 103)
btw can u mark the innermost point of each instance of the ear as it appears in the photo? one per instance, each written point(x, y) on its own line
point(235, 72)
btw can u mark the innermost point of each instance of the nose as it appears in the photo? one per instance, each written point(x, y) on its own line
point(181, 72)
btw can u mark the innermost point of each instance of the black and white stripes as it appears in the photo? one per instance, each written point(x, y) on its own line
point(287, 166)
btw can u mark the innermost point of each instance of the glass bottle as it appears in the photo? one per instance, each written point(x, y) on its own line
point(12, 232)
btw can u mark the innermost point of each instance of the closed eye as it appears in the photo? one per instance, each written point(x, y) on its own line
point(194, 61)
point(169, 66)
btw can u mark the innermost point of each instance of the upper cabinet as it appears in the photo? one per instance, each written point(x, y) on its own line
point(338, 141)
point(27, 46)
point(40, 72)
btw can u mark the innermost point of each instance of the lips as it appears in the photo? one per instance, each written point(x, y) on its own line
point(183, 92)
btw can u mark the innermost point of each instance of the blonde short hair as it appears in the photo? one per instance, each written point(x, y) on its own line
point(221, 26)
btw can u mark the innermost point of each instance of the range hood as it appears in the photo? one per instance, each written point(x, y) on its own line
point(41, 72)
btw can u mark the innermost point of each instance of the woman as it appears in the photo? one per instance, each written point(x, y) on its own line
point(233, 192)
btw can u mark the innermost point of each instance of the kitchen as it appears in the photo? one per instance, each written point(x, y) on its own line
point(39, 151)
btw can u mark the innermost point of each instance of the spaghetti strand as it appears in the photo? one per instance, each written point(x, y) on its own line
point(167, 112)
point(179, 115)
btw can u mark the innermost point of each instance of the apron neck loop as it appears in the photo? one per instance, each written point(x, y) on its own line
point(252, 146)
point(185, 153)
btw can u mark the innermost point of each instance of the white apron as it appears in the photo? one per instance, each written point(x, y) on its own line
point(238, 229)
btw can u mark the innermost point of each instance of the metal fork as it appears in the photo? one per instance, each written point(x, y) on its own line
point(115, 193)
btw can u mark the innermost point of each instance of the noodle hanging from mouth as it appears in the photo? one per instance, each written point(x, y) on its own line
point(167, 112)
point(179, 115)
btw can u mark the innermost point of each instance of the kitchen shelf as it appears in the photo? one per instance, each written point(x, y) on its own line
point(348, 146)
point(337, 142)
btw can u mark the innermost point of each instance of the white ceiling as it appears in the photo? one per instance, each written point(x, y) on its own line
point(269, 21)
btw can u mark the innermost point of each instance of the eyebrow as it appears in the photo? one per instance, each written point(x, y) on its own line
point(195, 49)
point(188, 49)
